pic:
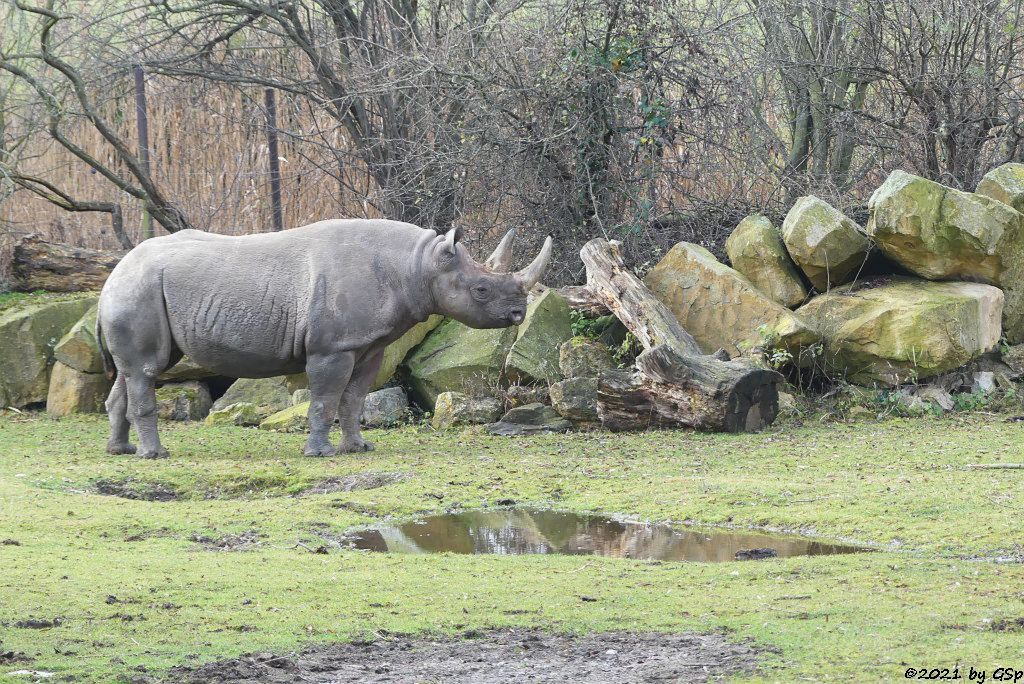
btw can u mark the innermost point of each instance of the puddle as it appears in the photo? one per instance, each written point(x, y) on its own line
point(521, 531)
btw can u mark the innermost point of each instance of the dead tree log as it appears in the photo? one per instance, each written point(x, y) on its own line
point(674, 383)
point(41, 265)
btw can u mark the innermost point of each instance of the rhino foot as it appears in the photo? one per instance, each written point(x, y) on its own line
point(155, 453)
point(324, 449)
point(356, 446)
point(117, 448)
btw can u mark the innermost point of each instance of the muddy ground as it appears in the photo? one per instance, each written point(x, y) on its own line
point(511, 655)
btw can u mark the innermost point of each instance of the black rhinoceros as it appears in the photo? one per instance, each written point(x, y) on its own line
point(326, 299)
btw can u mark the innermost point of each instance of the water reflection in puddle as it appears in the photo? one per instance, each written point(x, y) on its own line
point(522, 531)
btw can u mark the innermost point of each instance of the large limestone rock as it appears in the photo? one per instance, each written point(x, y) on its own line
point(827, 245)
point(28, 334)
point(395, 353)
point(719, 307)
point(1006, 184)
point(582, 357)
point(940, 233)
point(534, 354)
point(269, 395)
point(78, 348)
point(455, 408)
point(186, 369)
point(183, 401)
point(906, 329)
point(456, 358)
point(72, 391)
point(757, 252)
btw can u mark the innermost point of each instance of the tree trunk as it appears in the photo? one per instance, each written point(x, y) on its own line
point(674, 383)
point(41, 265)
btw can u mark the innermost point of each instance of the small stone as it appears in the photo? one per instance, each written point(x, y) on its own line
point(183, 401)
point(936, 395)
point(241, 414)
point(185, 369)
point(455, 408)
point(301, 396)
point(385, 407)
point(292, 419)
point(582, 357)
point(984, 382)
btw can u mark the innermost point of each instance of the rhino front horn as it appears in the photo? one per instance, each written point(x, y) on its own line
point(501, 260)
point(532, 274)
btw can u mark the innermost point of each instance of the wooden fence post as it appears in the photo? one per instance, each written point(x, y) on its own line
point(275, 162)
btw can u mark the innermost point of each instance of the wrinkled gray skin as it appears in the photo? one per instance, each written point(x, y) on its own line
point(325, 299)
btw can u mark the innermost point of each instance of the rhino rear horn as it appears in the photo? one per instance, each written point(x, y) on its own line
point(501, 260)
point(532, 274)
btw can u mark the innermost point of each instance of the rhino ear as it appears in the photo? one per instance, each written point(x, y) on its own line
point(451, 237)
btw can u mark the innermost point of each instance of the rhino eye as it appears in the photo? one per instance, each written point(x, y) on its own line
point(480, 291)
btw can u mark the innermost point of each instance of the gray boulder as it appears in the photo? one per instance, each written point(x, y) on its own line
point(455, 408)
point(385, 407)
point(529, 419)
point(269, 395)
point(575, 399)
point(183, 401)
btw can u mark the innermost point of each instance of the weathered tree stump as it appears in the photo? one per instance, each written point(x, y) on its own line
point(674, 383)
point(41, 265)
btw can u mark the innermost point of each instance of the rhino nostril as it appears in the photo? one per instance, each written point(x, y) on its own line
point(517, 315)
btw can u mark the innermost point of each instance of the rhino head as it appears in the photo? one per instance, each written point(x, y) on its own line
point(483, 295)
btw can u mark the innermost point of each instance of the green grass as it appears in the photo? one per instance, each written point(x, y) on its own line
point(928, 598)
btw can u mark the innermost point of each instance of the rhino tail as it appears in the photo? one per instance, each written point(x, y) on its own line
point(109, 369)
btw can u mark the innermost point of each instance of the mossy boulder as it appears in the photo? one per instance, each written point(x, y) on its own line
point(183, 401)
point(456, 408)
point(240, 414)
point(395, 353)
point(1006, 184)
point(828, 246)
point(534, 356)
point(457, 358)
point(29, 331)
point(270, 395)
point(385, 407)
point(292, 419)
point(721, 308)
point(78, 348)
point(72, 391)
point(529, 419)
point(757, 252)
point(582, 357)
point(905, 329)
point(940, 233)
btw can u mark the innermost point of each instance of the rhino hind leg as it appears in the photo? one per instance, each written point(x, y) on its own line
point(117, 412)
point(350, 409)
point(328, 377)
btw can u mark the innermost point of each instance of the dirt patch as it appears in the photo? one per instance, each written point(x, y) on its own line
point(1010, 625)
point(39, 623)
point(243, 541)
point(12, 657)
point(140, 491)
point(355, 482)
point(512, 655)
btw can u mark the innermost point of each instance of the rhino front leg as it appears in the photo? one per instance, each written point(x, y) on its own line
point(350, 411)
point(328, 377)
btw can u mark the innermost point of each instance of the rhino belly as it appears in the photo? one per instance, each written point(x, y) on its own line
point(238, 334)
